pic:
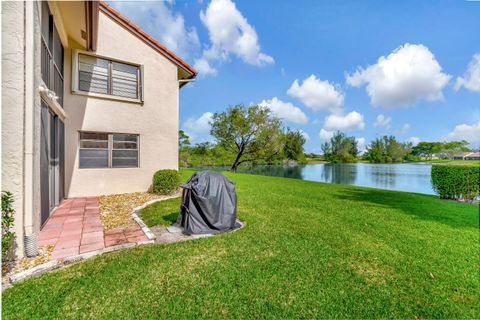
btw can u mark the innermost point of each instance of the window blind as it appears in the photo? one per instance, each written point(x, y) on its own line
point(92, 74)
point(93, 150)
point(124, 80)
point(125, 150)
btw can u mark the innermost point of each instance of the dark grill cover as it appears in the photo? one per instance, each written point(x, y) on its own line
point(209, 204)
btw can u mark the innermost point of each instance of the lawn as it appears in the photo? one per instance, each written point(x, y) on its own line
point(455, 162)
point(309, 250)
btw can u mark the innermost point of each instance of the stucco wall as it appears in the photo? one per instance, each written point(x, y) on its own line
point(156, 121)
point(13, 108)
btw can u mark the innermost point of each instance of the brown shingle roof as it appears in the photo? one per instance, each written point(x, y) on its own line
point(145, 37)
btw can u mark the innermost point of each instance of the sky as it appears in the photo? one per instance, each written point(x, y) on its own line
point(367, 68)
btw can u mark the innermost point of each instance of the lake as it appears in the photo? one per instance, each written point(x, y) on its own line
point(411, 177)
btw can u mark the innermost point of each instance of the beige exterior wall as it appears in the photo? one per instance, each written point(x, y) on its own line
point(13, 95)
point(21, 107)
point(156, 120)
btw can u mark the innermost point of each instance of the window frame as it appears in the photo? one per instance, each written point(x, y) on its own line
point(75, 78)
point(110, 149)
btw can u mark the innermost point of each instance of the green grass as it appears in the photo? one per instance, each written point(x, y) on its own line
point(455, 162)
point(315, 161)
point(465, 162)
point(163, 212)
point(309, 250)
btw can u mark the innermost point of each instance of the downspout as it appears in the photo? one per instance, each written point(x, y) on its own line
point(29, 235)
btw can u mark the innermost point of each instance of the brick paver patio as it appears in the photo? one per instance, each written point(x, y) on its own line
point(75, 227)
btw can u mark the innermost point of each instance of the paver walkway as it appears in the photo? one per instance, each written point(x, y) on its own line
point(75, 227)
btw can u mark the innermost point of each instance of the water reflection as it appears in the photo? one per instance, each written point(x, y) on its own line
point(413, 177)
point(333, 173)
point(284, 171)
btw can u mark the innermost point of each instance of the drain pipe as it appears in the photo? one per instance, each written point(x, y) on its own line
point(30, 237)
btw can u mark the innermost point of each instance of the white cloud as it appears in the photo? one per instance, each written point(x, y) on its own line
point(406, 75)
point(404, 129)
point(350, 121)
point(198, 128)
point(204, 68)
point(285, 110)
point(361, 144)
point(471, 78)
point(471, 133)
point(305, 135)
point(382, 121)
point(159, 20)
point(317, 94)
point(325, 134)
point(231, 34)
point(414, 140)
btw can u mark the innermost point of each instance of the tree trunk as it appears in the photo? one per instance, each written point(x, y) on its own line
point(236, 163)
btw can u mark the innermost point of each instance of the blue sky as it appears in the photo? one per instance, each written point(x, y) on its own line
point(369, 68)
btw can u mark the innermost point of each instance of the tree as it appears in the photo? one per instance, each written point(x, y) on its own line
point(387, 149)
point(449, 149)
point(293, 148)
point(423, 149)
point(340, 148)
point(252, 133)
point(202, 148)
point(183, 139)
point(375, 151)
point(441, 149)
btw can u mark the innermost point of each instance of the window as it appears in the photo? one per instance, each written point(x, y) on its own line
point(125, 151)
point(93, 74)
point(103, 76)
point(93, 150)
point(108, 150)
point(51, 54)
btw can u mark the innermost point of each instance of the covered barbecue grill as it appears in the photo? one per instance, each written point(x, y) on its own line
point(209, 204)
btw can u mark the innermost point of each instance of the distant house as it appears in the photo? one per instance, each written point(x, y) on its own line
point(467, 156)
point(473, 156)
point(90, 106)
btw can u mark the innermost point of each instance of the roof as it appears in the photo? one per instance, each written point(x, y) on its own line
point(148, 39)
point(468, 154)
point(473, 154)
point(462, 154)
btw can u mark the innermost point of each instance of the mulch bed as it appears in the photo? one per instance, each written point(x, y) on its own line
point(115, 209)
point(25, 263)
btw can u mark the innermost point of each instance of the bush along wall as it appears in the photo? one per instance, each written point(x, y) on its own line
point(456, 182)
point(7, 224)
point(165, 181)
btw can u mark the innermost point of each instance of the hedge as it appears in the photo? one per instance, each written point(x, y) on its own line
point(165, 181)
point(456, 181)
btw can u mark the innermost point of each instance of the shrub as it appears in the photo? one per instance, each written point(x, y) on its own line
point(456, 181)
point(7, 223)
point(165, 181)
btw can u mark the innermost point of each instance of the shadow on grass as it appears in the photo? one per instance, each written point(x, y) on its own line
point(171, 217)
point(423, 207)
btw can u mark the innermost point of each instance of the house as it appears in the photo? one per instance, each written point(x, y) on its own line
point(90, 106)
point(460, 156)
point(473, 156)
point(467, 156)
